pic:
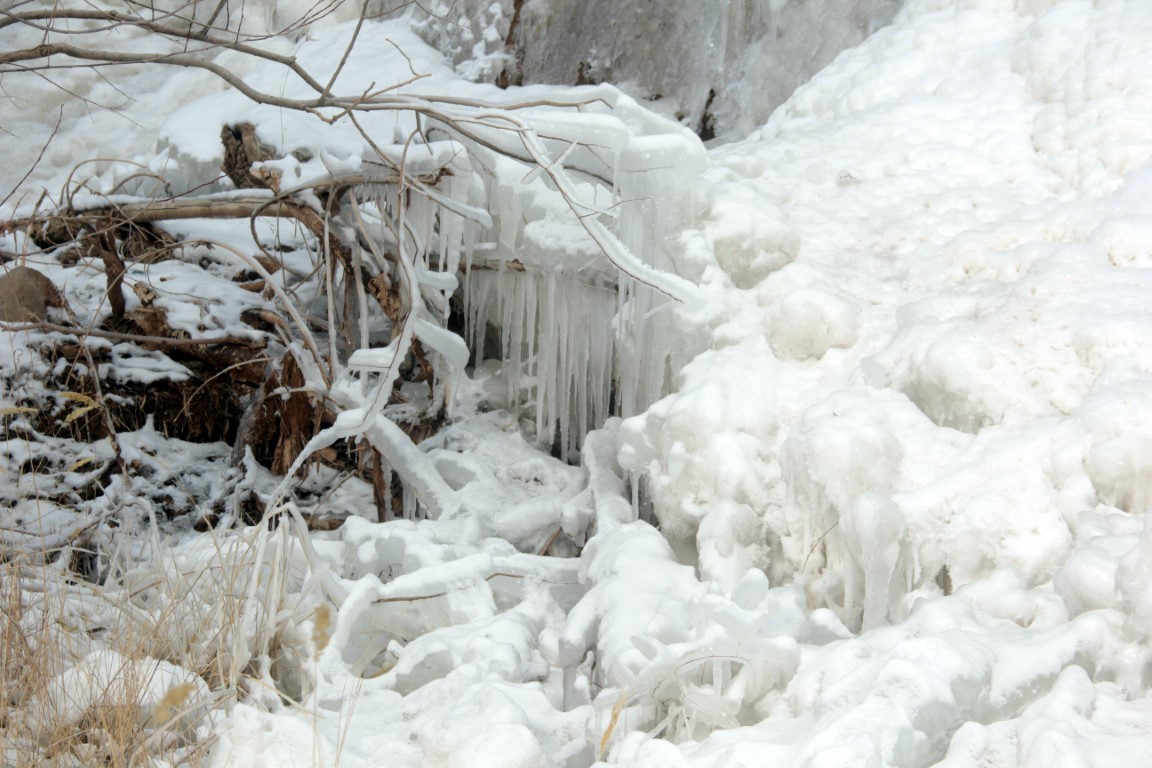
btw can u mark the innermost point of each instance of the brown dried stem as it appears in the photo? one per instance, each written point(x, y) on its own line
point(159, 341)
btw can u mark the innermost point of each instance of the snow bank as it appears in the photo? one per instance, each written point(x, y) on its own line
point(924, 382)
point(151, 691)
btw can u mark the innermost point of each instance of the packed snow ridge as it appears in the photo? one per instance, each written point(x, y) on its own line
point(879, 495)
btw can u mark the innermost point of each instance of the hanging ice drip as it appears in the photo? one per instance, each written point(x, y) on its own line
point(581, 339)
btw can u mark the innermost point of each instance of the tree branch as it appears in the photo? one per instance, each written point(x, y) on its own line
point(160, 341)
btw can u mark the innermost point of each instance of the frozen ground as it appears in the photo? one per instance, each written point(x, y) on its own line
point(881, 496)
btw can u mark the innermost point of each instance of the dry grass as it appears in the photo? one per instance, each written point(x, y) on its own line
point(114, 659)
point(122, 674)
point(72, 695)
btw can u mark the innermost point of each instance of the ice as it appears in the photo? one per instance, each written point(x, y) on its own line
point(874, 532)
point(448, 344)
point(563, 332)
point(730, 544)
point(807, 323)
point(413, 466)
point(853, 439)
point(1131, 583)
point(372, 359)
point(1087, 580)
point(984, 407)
point(750, 238)
point(683, 58)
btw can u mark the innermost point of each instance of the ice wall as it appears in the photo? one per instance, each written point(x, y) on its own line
point(579, 339)
point(733, 59)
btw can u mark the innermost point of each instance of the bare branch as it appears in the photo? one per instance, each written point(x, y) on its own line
point(177, 59)
point(327, 91)
point(159, 341)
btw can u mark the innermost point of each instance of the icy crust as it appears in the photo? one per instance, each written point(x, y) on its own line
point(897, 699)
point(926, 326)
point(924, 400)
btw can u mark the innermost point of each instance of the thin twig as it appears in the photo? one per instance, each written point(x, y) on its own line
point(39, 157)
point(414, 598)
point(163, 341)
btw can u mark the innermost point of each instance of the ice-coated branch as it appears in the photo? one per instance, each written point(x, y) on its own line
point(623, 259)
point(419, 203)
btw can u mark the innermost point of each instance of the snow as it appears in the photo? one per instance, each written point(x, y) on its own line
point(860, 438)
point(104, 678)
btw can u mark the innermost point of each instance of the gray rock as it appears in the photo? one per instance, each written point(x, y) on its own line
point(26, 295)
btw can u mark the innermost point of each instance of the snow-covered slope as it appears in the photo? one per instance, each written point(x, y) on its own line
point(929, 355)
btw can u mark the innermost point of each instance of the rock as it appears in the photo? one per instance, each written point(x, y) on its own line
point(26, 295)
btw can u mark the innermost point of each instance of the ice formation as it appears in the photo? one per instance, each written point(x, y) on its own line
point(541, 246)
point(720, 66)
point(880, 494)
point(570, 323)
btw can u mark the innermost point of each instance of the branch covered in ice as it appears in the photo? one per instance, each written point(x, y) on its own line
point(399, 213)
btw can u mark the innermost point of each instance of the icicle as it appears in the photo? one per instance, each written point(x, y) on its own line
point(568, 652)
point(634, 486)
point(468, 298)
point(549, 372)
point(580, 392)
point(515, 303)
point(453, 227)
point(442, 232)
point(606, 348)
point(532, 324)
point(510, 218)
point(876, 526)
point(428, 217)
point(506, 335)
point(565, 389)
point(628, 352)
point(524, 328)
point(476, 296)
point(410, 507)
point(471, 231)
point(616, 159)
point(774, 8)
point(566, 352)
